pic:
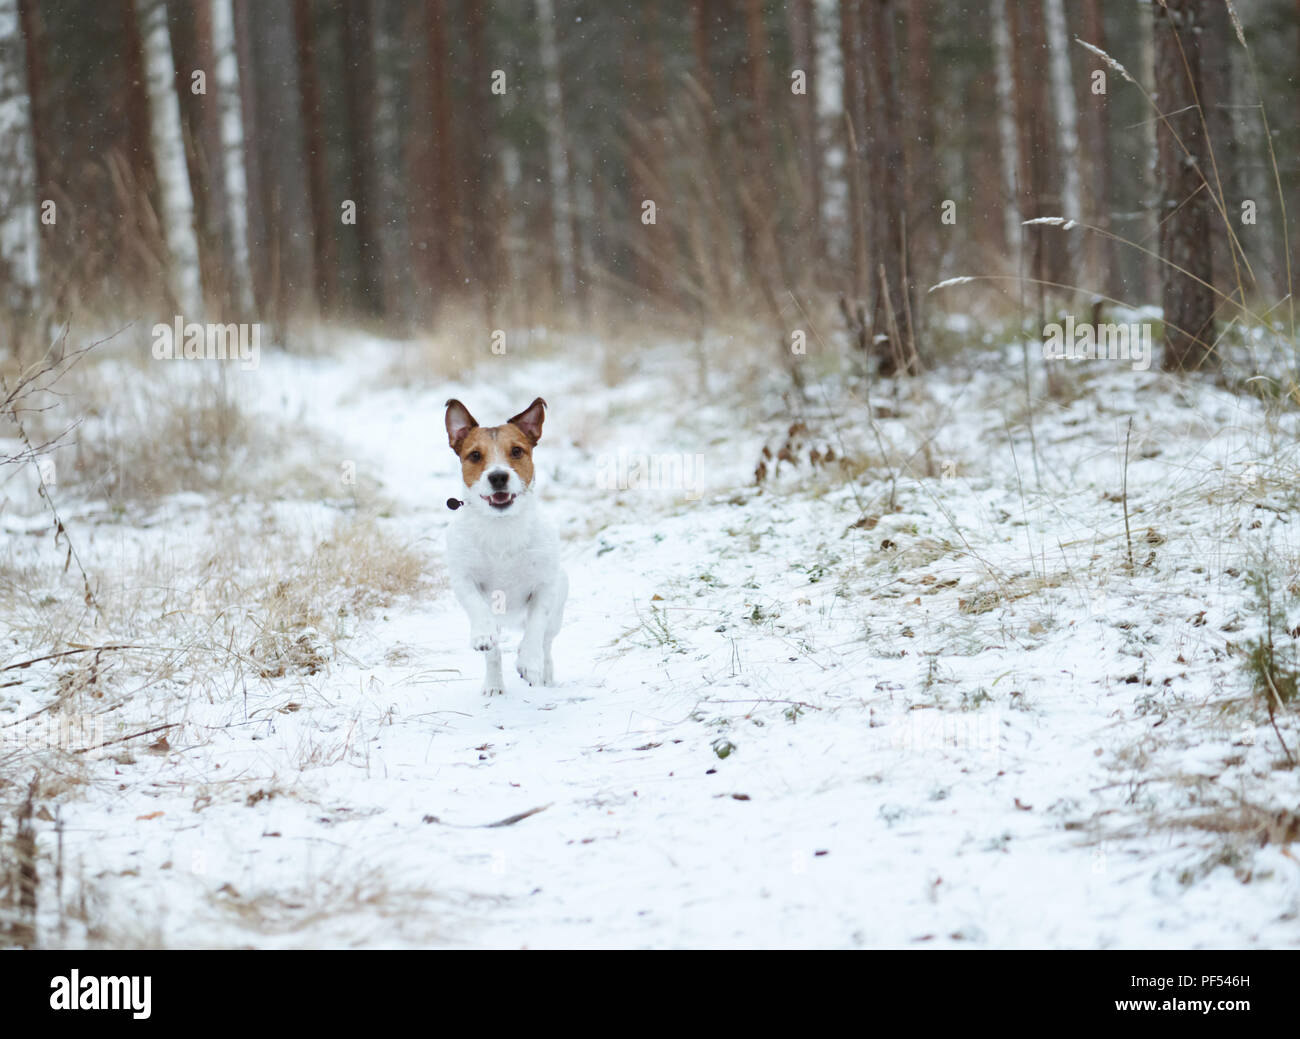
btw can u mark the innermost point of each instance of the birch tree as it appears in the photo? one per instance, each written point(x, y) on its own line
point(18, 203)
point(830, 112)
point(1067, 111)
point(557, 149)
point(175, 195)
point(232, 150)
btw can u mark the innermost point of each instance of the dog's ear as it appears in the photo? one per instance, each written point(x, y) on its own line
point(459, 423)
point(529, 421)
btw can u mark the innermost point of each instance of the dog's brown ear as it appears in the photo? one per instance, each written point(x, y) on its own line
point(459, 423)
point(529, 421)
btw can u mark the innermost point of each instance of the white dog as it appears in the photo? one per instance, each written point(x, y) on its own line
point(502, 555)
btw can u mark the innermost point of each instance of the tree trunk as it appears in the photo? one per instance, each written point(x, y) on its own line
point(1038, 178)
point(803, 40)
point(1185, 202)
point(19, 244)
point(855, 140)
point(557, 152)
point(1066, 112)
point(1223, 143)
point(1149, 268)
point(923, 181)
point(176, 197)
point(894, 336)
point(322, 213)
point(256, 211)
point(830, 123)
point(445, 218)
point(1101, 261)
point(190, 29)
point(359, 76)
point(1004, 61)
point(392, 235)
point(232, 153)
point(482, 167)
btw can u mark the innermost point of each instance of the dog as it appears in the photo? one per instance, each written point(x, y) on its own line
point(503, 557)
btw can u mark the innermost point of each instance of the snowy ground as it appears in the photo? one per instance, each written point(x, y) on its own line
point(787, 715)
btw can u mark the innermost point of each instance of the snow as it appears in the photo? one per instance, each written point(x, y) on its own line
point(963, 723)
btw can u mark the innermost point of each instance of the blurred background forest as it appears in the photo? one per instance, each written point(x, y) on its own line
point(386, 163)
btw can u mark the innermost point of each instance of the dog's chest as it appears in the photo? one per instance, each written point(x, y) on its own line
point(507, 561)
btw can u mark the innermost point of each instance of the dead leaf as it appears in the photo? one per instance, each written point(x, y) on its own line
point(151, 815)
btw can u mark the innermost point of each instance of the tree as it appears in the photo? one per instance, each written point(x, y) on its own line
point(1004, 61)
point(1101, 259)
point(232, 151)
point(250, 118)
point(892, 275)
point(448, 237)
point(922, 181)
point(803, 40)
point(855, 131)
point(557, 152)
point(1067, 115)
point(359, 105)
point(322, 220)
point(19, 245)
point(175, 193)
point(481, 168)
point(1186, 269)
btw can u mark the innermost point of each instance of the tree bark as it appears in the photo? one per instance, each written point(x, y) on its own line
point(894, 335)
point(19, 243)
point(447, 224)
point(1066, 112)
point(234, 173)
point(803, 38)
point(1100, 254)
point(855, 141)
point(923, 181)
point(557, 152)
point(1185, 202)
point(482, 165)
point(257, 208)
point(1005, 63)
point(322, 221)
point(176, 196)
point(359, 76)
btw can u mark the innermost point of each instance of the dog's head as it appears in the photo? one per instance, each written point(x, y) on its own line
point(496, 462)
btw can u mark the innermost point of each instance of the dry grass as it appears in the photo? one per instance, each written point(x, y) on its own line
point(185, 431)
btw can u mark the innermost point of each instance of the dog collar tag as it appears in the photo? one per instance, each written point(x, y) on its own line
point(454, 504)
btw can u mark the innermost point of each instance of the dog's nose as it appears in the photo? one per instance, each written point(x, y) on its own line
point(498, 480)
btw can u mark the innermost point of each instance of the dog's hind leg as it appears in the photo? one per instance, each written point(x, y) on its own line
point(553, 623)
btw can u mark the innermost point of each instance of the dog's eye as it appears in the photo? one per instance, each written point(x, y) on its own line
point(516, 452)
point(476, 456)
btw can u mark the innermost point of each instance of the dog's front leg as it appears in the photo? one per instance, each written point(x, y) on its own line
point(484, 631)
point(531, 661)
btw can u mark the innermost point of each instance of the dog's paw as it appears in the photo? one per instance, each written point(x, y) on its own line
point(530, 670)
point(483, 641)
point(493, 690)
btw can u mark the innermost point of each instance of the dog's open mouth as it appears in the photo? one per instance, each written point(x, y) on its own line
point(500, 499)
